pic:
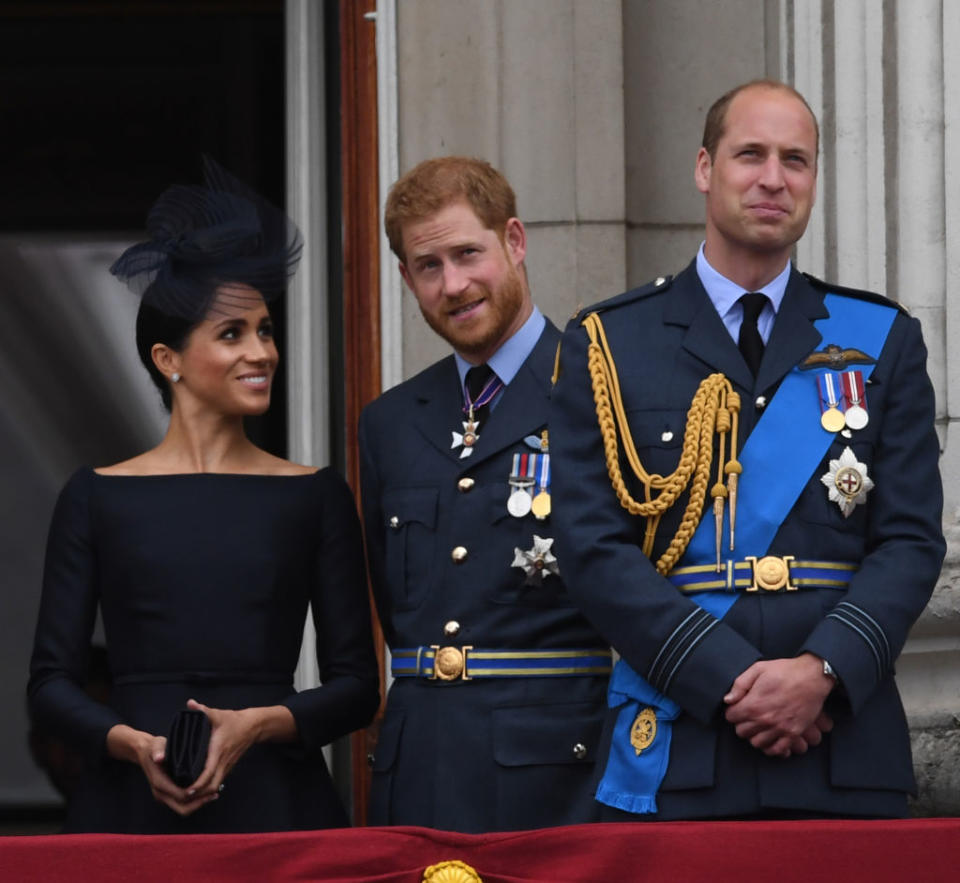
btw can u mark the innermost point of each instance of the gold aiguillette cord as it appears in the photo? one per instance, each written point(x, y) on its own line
point(714, 410)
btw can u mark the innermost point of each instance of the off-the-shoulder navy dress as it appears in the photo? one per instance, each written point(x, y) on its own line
point(203, 581)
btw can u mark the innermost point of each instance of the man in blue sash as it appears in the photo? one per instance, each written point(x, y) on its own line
point(495, 713)
point(747, 483)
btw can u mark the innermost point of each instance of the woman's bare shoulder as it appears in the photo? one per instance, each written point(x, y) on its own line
point(268, 464)
point(147, 463)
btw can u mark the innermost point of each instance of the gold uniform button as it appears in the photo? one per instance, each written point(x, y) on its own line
point(459, 554)
point(451, 628)
point(394, 522)
point(465, 484)
point(579, 751)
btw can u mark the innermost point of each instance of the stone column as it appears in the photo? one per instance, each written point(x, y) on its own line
point(536, 88)
point(879, 74)
point(679, 57)
point(307, 393)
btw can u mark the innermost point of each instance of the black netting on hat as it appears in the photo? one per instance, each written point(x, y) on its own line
point(201, 238)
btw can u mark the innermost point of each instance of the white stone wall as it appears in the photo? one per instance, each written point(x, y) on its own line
point(536, 88)
point(594, 110)
point(679, 56)
point(886, 88)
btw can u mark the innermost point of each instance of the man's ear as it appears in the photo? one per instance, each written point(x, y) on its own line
point(166, 359)
point(702, 170)
point(405, 273)
point(515, 240)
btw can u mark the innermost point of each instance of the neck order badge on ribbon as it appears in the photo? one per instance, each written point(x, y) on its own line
point(471, 407)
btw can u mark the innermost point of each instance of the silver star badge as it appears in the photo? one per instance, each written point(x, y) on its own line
point(536, 562)
point(468, 438)
point(847, 482)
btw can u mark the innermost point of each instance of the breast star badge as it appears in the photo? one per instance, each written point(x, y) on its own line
point(536, 562)
point(847, 482)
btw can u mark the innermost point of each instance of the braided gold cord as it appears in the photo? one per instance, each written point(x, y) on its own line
point(713, 410)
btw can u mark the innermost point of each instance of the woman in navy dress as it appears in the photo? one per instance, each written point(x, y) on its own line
point(203, 555)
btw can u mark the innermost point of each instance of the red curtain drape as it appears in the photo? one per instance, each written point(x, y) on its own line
point(849, 851)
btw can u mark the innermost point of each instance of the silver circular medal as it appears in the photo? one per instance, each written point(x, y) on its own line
point(856, 417)
point(519, 503)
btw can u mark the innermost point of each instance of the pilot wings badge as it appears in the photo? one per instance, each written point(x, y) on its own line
point(847, 482)
point(836, 358)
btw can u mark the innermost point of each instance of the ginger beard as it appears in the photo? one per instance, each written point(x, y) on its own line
point(478, 332)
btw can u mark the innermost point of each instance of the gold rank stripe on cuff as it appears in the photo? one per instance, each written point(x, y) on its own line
point(464, 663)
point(771, 573)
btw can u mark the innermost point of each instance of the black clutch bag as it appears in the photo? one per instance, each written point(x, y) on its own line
point(187, 744)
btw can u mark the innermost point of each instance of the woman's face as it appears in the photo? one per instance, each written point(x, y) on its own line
point(230, 357)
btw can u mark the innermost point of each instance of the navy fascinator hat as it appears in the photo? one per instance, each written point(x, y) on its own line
point(222, 233)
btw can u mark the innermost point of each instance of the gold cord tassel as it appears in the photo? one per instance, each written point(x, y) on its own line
point(713, 411)
point(718, 492)
point(733, 468)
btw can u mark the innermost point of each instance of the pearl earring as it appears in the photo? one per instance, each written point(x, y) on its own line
point(175, 377)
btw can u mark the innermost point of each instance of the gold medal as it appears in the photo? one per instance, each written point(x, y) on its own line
point(541, 505)
point(832, 420)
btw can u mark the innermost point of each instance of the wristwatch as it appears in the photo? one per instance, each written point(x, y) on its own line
point(828, 670)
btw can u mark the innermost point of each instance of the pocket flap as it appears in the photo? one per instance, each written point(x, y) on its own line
point(546, 734)
point(405, 505)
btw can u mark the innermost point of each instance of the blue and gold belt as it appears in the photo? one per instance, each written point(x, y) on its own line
point(771, 573)
point(464, 663)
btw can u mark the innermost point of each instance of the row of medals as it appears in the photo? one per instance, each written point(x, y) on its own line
point(529, 483)
point(836, 390)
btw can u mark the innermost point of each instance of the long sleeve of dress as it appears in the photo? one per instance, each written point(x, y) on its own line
point(349, 693)
point(68, 606)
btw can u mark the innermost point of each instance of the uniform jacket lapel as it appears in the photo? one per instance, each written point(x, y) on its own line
point(439, 402)
point(522, 408)
point(707, 337)
point(794, 336)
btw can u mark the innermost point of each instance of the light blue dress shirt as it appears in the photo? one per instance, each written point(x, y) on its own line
point(725, 296)
point(507, 360)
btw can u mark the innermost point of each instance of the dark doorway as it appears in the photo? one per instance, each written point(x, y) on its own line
point(103, 104)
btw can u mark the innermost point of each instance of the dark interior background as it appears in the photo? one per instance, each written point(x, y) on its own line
point(103, 105)
point(110, 103)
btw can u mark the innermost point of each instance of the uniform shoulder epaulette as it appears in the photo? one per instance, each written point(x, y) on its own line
point(661, 283)
point(873, 297)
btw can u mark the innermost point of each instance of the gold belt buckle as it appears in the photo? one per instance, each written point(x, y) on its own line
point(771, 573)
point(450, 663)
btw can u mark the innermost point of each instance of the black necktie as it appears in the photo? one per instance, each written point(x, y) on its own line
point(478, 377)
point(751, 343)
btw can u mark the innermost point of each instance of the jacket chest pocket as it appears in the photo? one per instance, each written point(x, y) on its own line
point(410, 516)
point(658, 438)
point(815, 505)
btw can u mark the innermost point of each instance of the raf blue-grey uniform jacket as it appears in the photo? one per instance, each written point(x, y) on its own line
point(666, 338)
point(480, 755)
